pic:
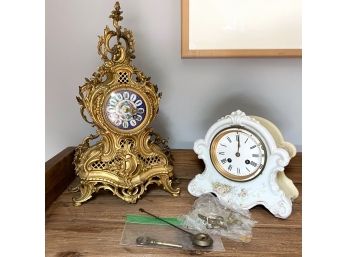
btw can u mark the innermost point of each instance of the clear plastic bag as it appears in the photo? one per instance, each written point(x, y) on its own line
point(208, 215)
point(137, 226)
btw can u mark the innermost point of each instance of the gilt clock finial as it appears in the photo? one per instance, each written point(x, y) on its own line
point(116, 15)
point(123, 50)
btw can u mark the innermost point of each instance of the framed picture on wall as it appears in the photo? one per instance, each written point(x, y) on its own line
point(241, 28)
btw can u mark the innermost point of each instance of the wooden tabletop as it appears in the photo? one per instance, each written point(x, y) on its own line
point(95, 228)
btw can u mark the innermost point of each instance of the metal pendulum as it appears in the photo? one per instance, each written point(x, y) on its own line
point(199, 239)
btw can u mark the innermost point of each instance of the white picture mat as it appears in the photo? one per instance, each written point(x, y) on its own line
point(244, 24)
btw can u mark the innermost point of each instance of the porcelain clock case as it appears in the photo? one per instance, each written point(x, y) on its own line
point(244, 160)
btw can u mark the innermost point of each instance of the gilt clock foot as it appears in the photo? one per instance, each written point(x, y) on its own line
point(86, 191)
point(167, 186)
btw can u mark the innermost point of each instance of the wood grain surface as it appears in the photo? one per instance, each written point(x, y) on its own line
point(95, 228)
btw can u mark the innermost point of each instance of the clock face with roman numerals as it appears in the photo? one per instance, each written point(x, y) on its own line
point(125, 109)
point(238, 154)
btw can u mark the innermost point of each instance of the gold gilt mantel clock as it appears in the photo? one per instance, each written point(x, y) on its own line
point(121, 102)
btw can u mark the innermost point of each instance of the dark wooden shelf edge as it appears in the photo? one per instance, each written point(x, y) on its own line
point(60, 170)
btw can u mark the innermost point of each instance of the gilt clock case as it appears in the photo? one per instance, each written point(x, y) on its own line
point(125, 155)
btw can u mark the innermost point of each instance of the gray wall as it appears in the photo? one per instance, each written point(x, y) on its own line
point(196, 92)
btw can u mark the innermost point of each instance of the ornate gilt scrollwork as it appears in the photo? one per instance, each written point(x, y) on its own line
point(123, 162)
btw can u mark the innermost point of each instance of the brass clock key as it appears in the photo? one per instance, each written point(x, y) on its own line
point(145, 240)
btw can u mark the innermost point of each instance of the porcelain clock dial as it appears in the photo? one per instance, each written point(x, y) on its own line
point(238, 154)
point(125, 109)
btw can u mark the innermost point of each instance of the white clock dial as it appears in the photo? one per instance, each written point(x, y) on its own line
point(238, 154)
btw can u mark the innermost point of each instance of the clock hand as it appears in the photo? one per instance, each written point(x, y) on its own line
point(237, 153)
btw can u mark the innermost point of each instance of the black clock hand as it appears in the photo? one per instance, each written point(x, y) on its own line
point(237, 153)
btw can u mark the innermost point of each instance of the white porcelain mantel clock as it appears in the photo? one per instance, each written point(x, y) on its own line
point(244, 160)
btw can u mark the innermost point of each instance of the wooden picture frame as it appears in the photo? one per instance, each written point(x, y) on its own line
point(186, 52)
